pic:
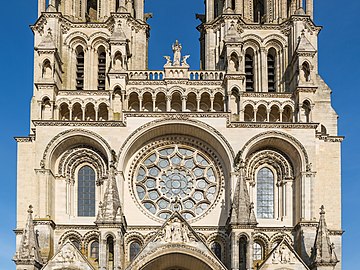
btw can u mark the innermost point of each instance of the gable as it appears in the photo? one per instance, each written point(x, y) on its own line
point(283, 257)
point(68, 258)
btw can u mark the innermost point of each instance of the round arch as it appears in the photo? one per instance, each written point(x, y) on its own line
point(188, 127)
point(175, 255)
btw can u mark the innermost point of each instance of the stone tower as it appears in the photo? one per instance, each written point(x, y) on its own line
point(218, 168)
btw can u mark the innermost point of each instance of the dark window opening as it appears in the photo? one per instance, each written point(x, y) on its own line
point(242, 253)
point(259, 10)
point(249, 73)
point(101, 70)
point(91, 9)
point(80, 70)
point(271, 73)
point(216, 248)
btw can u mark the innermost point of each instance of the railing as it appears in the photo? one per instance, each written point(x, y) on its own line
point(157, 75)
point(154, 75)
point(206, 75)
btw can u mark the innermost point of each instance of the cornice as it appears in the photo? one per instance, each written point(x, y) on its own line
point(278, 125)
point(83, 93)
point(328, 138)
point(266, 95)
point(49, 123)
point(24, 139)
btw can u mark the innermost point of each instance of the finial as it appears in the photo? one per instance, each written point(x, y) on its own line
point(322, 210)
point(30, 211)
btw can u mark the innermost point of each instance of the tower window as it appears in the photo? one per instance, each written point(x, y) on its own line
point(101, 68)
point(110, 253)
point(233, 4)
point(134, 249)
point(265, 193)
point(271, 71)
point(259, 10)
point(79, 68)
point(91, 9)
point(249, 72)
point(86, 192)
point(242, 253)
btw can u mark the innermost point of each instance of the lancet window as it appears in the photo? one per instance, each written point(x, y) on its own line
point(249, 70)
point(265, 193)
point(86, 192)
point(101, 68)
point(80, 68)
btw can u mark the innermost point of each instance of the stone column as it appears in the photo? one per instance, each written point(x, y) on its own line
point(41, 7)
point(183, 99)
point(139, 9)
point(97, 113)
point(212, 104)
point(168, 103)
point(154, 104)
point(239, 7)
point(255, 112)
point(83, 108)
point(140, 104)
point(209, 10)
point(198, 104)
point(263, 70)
point(310, 8)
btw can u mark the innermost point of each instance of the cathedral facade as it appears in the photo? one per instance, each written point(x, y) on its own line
point(233, 166)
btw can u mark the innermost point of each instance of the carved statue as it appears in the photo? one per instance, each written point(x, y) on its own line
point(183, 62)
point(168, 61)
point(175, 231)
point(176, 47)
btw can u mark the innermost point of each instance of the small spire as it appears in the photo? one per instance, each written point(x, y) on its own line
point(110, 209)
point(29, 250)
point(323, 250)
point(243, 209)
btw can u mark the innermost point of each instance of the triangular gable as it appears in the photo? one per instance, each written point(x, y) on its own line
point(283, 256)
point(68, 257)
point(304, 45)
point(176, 232)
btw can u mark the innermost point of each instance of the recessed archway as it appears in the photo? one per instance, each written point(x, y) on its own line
point(176, 261)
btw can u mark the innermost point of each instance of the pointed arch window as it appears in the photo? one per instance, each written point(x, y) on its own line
point(249, 70)
point(242, 253)
point(265, 193)
point(216, 248)
point(101, 68)
point(134, 249)
point(80, 68)
point(86, 192)
point(110, 253)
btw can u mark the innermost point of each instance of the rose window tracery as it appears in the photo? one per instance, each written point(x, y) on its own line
point(176, 176)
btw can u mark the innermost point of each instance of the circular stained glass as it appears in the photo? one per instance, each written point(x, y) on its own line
point(176, 177)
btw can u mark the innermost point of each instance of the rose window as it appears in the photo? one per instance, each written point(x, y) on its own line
point(176, 177)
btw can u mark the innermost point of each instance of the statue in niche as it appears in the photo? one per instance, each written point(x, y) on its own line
point(176, 47)
point(175, 231)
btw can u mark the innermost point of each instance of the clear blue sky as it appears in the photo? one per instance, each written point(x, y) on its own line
point(175, 19)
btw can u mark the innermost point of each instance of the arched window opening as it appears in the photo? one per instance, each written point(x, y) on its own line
point(271, 65)
point(134, 249)
point(261, 114)
point(94, 250)
point(218, 102)
point(86, 192)
point(90, 112)
point(242, 253)
point(259, 10)
point(117, 6)
point(176, 102)
point(77, 112)
point(103, 114)
point(110, 253)
point(249, 70)
point(47, 70)
point(265, 193)
point(249, 113)
point(258, 252)
point(101, 68)
point(216, 8)
point(191, 103)
point(307, 111)
point(233, 62)
point(205, 102)
point(216, 248)
point(46, 109)
point(235, 101)
point(64, 112)
point(287, 115)
point(147, 102)
point(160, 102)
point(91, 10)
point(118, 61)
point(274, 114)
point(134, 102)
point(80, 68)
point(305, 72)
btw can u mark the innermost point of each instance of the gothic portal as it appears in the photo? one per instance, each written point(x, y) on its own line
point(220, 168)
